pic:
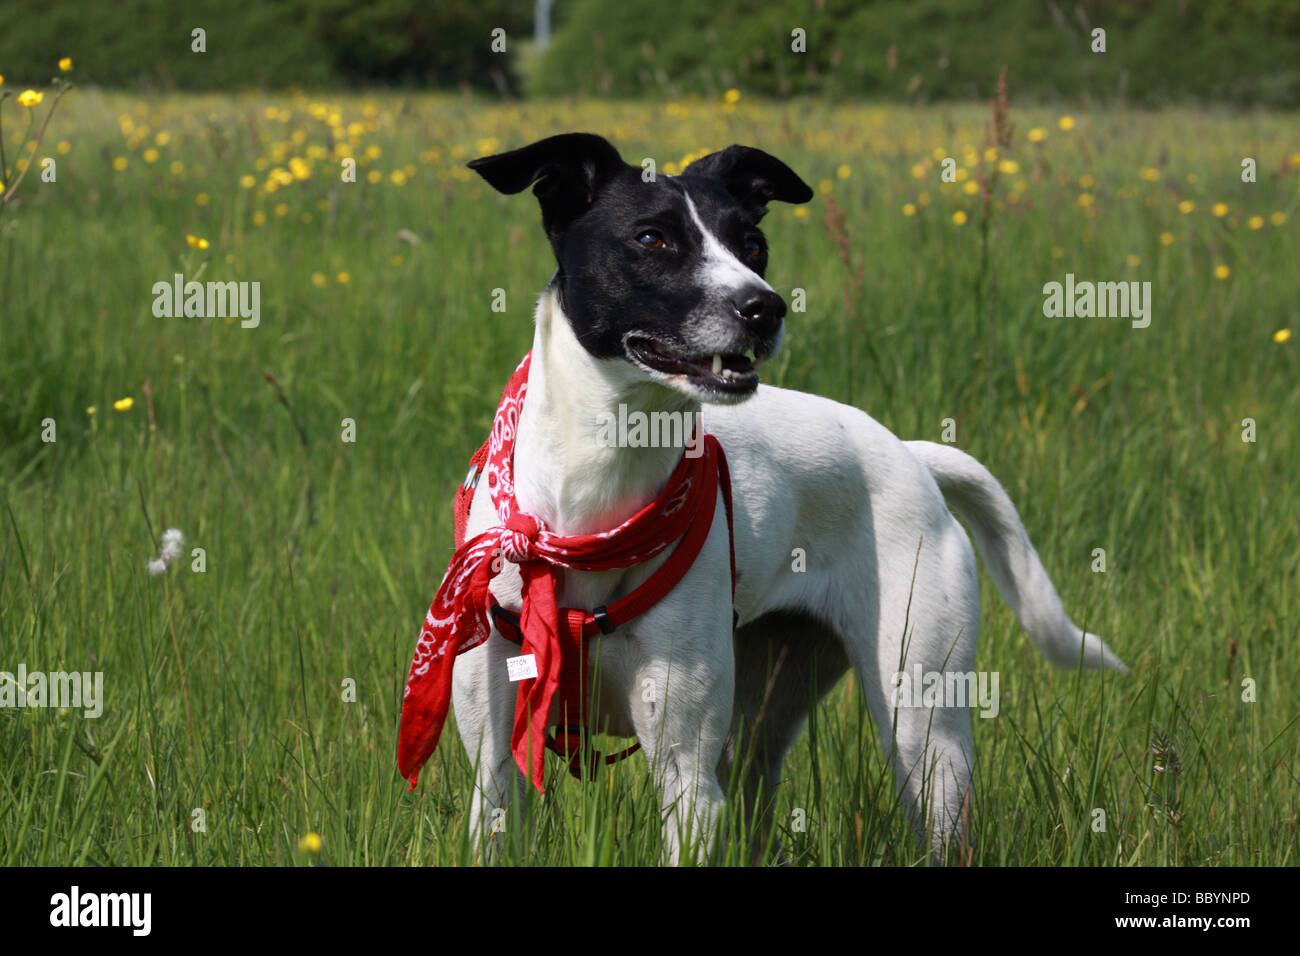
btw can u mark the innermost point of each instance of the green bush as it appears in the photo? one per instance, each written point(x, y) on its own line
point(1156, 52)
point(261, 43)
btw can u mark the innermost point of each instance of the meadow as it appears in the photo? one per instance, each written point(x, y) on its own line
point(225, 688)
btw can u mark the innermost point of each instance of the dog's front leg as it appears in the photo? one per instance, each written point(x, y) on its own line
point(687, 670)
point(484, 700)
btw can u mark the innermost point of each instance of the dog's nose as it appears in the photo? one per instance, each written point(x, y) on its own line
point(760, 309)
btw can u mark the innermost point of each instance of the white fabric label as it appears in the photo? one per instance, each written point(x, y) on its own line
point(521, 668)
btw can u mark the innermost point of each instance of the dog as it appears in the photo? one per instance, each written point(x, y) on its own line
point(659, 304)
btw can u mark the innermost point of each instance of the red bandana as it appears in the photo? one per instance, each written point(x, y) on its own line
point(458, 618)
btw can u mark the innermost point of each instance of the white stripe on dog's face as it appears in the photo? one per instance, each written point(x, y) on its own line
point(719, 269)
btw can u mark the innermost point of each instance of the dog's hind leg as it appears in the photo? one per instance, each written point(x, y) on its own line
point(927, 632)
point(786, 661)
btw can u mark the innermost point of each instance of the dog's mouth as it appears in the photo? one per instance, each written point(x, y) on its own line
point(728, 373)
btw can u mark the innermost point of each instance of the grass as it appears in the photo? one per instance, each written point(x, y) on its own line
point(224, 689)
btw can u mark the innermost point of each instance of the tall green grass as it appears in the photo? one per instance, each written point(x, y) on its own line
point(224, 688)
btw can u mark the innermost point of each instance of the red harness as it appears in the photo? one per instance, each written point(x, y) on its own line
point(569, 738)
point(553, 639)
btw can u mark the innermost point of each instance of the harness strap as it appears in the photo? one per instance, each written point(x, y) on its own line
point(608, 618)
point(568, 741)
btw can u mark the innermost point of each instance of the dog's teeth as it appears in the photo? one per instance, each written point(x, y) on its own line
point(717, 364)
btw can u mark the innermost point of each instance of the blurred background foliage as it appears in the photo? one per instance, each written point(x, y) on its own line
point(268, 44)
point(1158, 51)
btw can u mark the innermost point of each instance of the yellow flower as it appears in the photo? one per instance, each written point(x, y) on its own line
point(397, 260)
point(150, 155)
point(1255, 222)
point(30, 98)
point(923, 199)
point(1281, 335)
point(959, 218)
point(1086, 181)
point(1149, 174)
point(374, 177)
point(1008, 167)
point(1037, 134)
point(970, 187)
point(1220, 209)
point(259, 218)
point(1222, 272)
point(397, 177)
point(65, 64)
point(1084, 200)
point(1134, 260)
point(318, 279)
point(119, 163)
point(248, 180)
point(1277, 218)
point(843, 172)
point(2, 79)
point(64, 147)
point(801, 212)
point(1066, 122)
point(732, 96)
point(90, 409)
point(1186, 206)
point(1166, 238)
point(282, 209)
point(344, 278)
point(824, 187)
point(123, 404)
point(310, 843)
point(202, 199)
point(909, 209)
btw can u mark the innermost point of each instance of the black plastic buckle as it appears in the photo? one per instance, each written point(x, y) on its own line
point(602, 620)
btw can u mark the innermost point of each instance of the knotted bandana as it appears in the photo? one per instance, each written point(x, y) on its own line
point(458, 617)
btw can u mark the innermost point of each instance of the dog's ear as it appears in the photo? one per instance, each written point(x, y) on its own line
point(568, 169)
point(754, 178)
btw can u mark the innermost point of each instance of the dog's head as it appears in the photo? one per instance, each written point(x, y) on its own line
point(663, 272)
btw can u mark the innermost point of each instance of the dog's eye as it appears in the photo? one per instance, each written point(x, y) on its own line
point(651, 238)
point(753, 247)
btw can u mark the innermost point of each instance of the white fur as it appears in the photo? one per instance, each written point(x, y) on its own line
point(807, 473)
point(719, 268)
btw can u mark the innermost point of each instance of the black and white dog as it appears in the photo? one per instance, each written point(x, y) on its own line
point(659, 304)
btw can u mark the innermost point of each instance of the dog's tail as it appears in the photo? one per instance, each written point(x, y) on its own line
point(976, 496)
